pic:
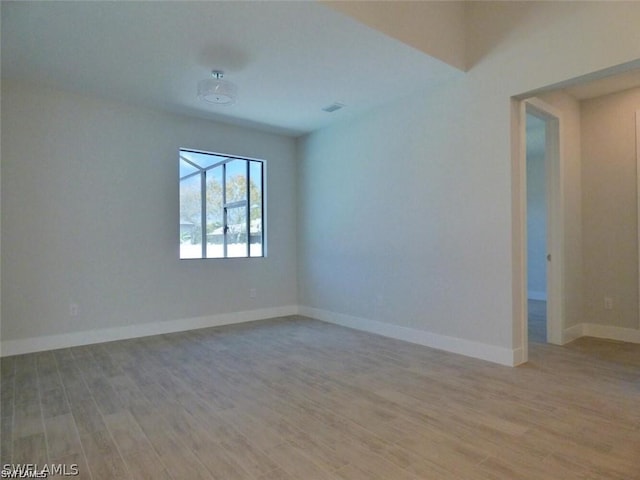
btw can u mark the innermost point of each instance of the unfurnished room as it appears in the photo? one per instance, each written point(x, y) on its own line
point(333, 240)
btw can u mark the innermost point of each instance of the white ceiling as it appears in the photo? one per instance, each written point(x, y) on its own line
point(605, 86)
point(288, 59)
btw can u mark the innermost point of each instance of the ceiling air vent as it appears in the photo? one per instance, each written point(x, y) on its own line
point(333, 107)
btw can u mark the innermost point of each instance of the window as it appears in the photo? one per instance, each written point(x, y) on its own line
point(221, 206)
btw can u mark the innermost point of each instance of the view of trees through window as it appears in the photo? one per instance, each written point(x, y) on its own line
point(221, 196)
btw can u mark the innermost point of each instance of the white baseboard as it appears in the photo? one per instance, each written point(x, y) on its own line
point(609, 332)
point(64, 340)
point(535, 295)
point(491, 353)
point(483, 351)
point(518, 357)
point(571, 333)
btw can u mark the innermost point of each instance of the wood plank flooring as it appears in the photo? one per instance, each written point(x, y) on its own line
point(294, 398)
point(537, 321)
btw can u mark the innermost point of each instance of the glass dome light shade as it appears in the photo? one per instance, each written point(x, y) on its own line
point(216, 90)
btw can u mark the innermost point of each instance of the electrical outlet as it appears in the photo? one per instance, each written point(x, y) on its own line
point(74, 309)
point(608, 303)
point(252, 293)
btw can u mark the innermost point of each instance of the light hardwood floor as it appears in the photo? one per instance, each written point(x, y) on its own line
point(537, 321)
point(295, 398)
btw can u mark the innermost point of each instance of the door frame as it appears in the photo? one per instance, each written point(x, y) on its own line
point(554, 176)
point(638, 196)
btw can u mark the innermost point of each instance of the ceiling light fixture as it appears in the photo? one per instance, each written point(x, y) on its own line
point(216, 90)
point(333, 107)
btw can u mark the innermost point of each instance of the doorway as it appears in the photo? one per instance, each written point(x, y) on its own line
point(543, 319)
point(537, 250)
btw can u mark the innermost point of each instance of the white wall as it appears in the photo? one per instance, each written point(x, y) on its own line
point(409, 216)
point(609, 196)
point(90, 216)
point(536, 209)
